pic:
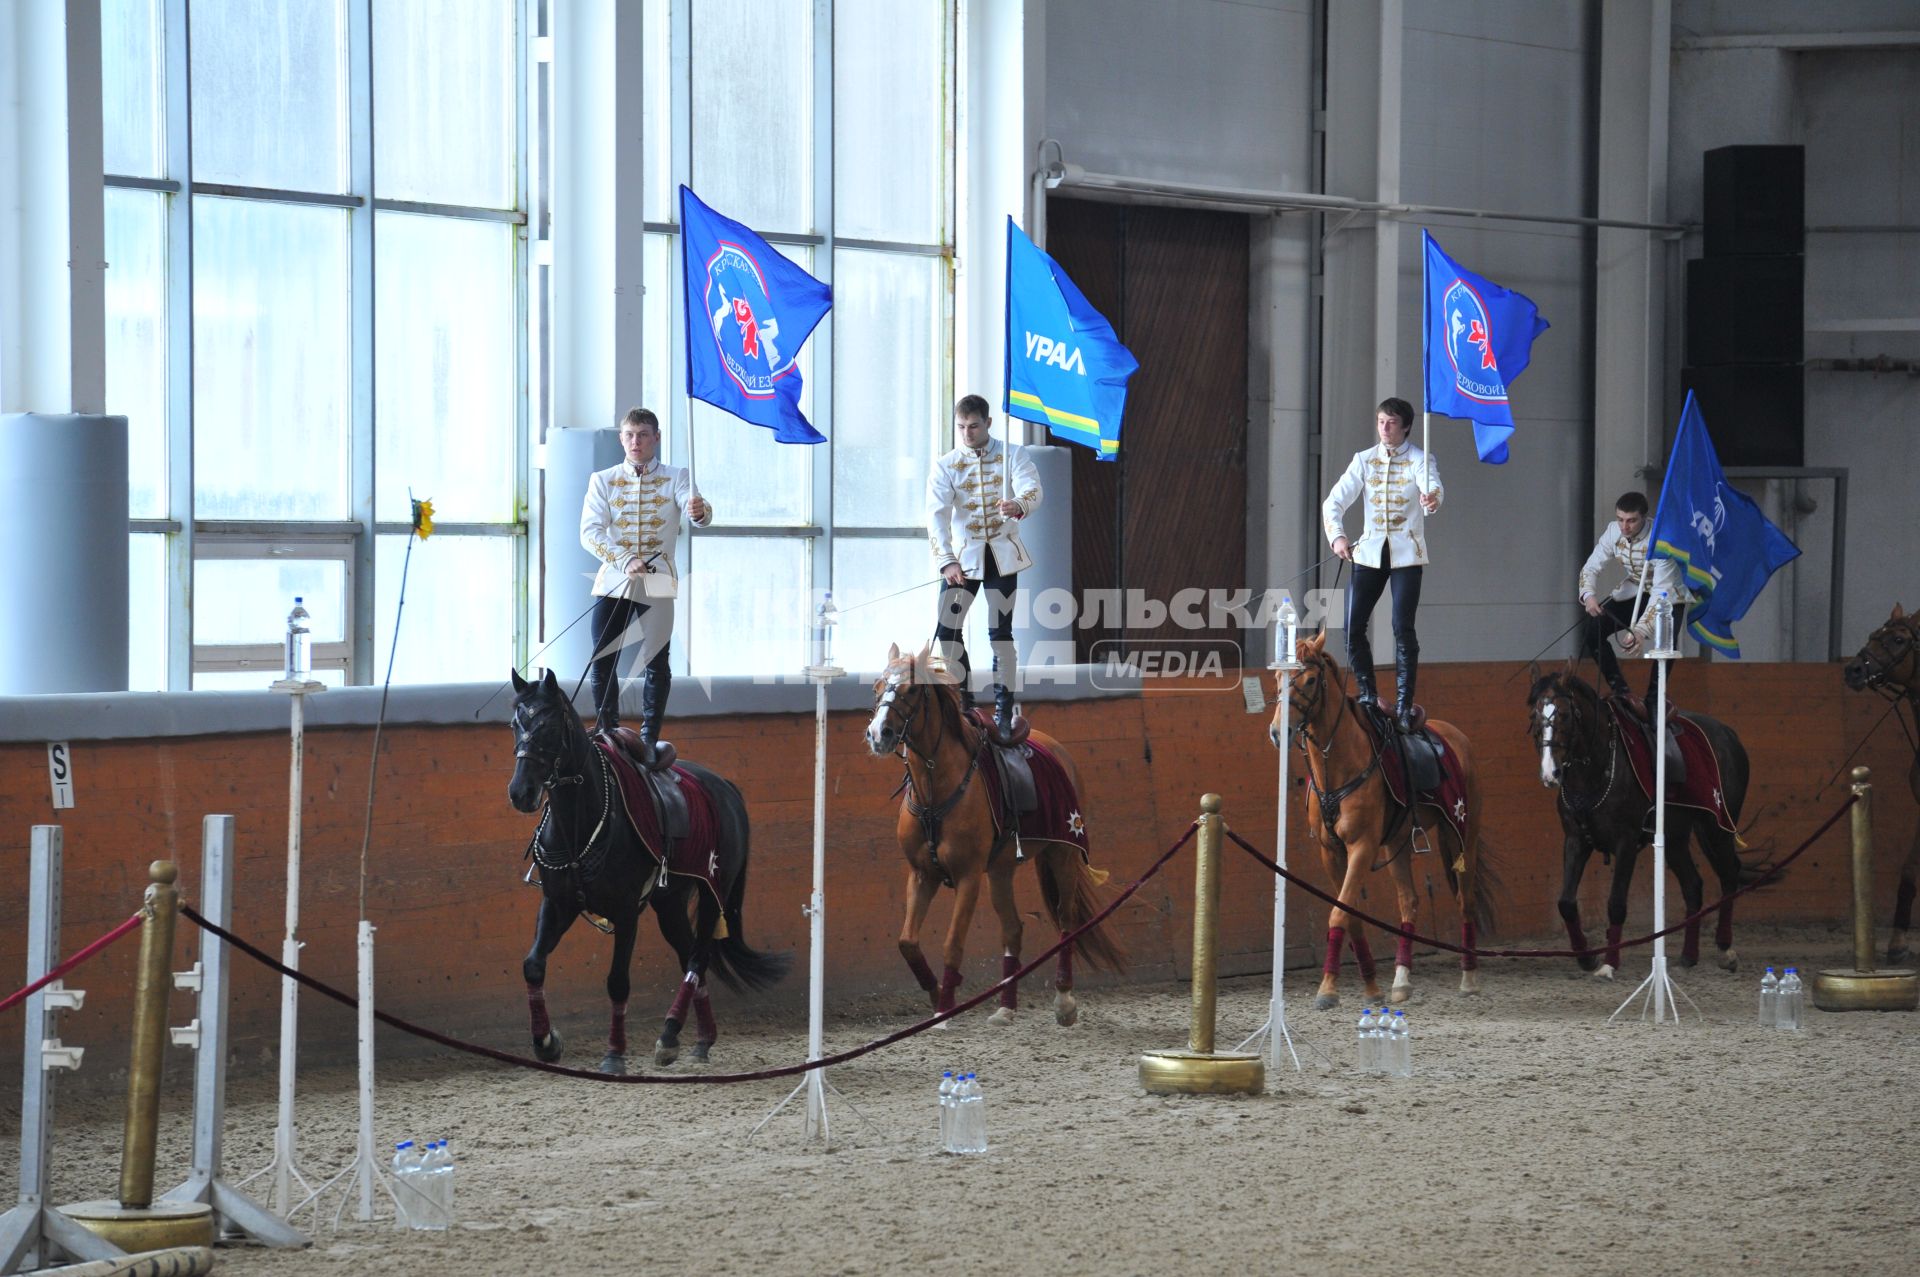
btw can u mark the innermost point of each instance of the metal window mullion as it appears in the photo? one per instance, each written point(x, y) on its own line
point(360, 224)
point(822, 458)
point(278, 195)
point(124, 182)
point(523, 366)
point(176, 95)
point(468, 212)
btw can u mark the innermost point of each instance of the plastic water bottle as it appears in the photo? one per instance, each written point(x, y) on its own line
point(970, 1119)
point(1792, 999)
point(436, 1173)
point(1662, 624)
point(1400, 1047)
point(299, 643)
point(409, 1201)
point(1368, 1041)
point(947, 1086)
point(1769, 1000)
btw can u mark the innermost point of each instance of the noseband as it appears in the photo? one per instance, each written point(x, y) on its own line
point(1886, 650)
point(586, 860)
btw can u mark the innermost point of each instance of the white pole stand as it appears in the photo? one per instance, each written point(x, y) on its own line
point(364, 1172)
point(33, 1233)
point(235, 1212)
point(283, 1171)
point(1274, 1032)
point(815, 1082)
point(1658, 988)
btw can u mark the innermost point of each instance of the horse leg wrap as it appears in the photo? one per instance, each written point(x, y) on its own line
point(922, 972)
point(1403, 952)
point(1903, 906)
point(617, 1034)
point(1336, 936)
point(1009, 994)
point(1570, 914)
point(1723, 927)
point(1362, 954)
point(1613, 946)
point(949, 981)
point(1469, 961)
point(683, 999)
point(703, 1016)
point(537, 1005)
point(1063, 970)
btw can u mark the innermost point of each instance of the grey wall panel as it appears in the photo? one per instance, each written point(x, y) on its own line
point(572, 457)
point(63, 554)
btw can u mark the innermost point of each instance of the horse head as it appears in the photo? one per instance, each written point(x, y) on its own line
point(1562, 711)
point(1318, 690)
point(1888, 657)
point(547, 736)
point(902, 691)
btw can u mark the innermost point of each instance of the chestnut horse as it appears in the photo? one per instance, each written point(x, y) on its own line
point(1889, 664)
point(1363, 826)
point(917, 715)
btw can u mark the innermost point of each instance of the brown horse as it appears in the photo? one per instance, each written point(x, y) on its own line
point(1889, 663)
point(949, 834)
point(1360, 827)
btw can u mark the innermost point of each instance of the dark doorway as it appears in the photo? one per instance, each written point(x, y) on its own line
point(1171, 513)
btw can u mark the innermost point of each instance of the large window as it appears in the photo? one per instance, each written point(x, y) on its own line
point(761, 110)
point(313, 312)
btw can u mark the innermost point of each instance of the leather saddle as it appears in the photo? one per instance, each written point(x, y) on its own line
point(1632, 714)
point(669, 803)
point(1011, 764)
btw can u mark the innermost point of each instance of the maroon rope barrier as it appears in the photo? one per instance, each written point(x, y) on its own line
point(21, 995)
point(1393, 928)
point(708, 1079)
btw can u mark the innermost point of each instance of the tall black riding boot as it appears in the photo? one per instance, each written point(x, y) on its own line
point(1406, 662)
point(1363, 686)
point(653, 706)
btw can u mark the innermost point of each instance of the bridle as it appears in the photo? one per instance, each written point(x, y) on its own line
point(1886, 650)
point(586, 860)
point(1330, 799)
point(929, 812)
point(1565, 704)
point(891, 700)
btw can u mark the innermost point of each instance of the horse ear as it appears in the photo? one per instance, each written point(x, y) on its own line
point(893, 653)
point(1317, 644)
point(1533, 672)
point(519, 684)
point(550, 683)
point(1899, 613)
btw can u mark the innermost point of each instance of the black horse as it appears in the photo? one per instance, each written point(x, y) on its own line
point(1888, 664)
point(592, 861)
point(1602, 808)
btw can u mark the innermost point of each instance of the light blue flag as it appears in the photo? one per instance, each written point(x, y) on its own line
point(1065, 369)
point(1717, 535)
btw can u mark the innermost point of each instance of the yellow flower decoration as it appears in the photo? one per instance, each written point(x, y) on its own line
point(423, 519)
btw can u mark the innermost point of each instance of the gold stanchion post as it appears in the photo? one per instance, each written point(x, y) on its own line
point(1866, 987)
point(136, 1222)
point(1200, 1069)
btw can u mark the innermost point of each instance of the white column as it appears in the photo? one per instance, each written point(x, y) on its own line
point(52, 233)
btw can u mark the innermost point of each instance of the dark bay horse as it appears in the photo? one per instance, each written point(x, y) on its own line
point(1364, 829)
point(1602, 808)
point(1889, 664)
point(917, 715)
point(592, 861)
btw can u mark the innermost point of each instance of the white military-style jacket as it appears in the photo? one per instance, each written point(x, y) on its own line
point(634, 512)
point(1392, 480)
point(1632, 556)
point(964, 492)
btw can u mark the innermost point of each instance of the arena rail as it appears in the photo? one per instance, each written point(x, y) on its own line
point(21, 995)
point(709, 1079)
point(1772, 872)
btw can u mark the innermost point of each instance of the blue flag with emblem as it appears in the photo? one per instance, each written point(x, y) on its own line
point(1724, 546)
point(1477, 338)
point(1064, 367)
point(749, 310)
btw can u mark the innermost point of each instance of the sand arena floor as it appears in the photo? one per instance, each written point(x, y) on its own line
point(1532, 1139)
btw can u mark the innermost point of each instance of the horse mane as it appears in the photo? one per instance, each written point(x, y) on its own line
point(947, 696)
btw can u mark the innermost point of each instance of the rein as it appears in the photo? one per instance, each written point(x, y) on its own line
point(1331, 799)
point(931, 813)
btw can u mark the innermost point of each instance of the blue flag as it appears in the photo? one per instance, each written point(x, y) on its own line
point(1477, 339)
point(1717, 535)
point(1065, 368)
point(749, 310)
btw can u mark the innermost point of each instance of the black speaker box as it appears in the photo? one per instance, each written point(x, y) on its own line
point(1755, 200)
point(1755, 413)
point(1745, 310)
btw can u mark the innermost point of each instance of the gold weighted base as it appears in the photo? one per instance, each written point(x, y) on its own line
point(1199, 1073)
point(1849, 990)
point(162, 1226)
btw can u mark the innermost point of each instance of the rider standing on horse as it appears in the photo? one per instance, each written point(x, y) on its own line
point(976, 495)
point(1402, 487)
point(1627, 541)
point(631, 523)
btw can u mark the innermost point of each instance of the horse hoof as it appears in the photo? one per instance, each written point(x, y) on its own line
point(700, 1050)
point(1326, 1002)
point(1470, 983)
point(1403, 993)
point(1729, 960)
point(665, 1053)
point(1001, 1015)
point(1589, 965)
point(1686, 960)
point(547, 1050)
point(1065, 1010)
point(1605, 972)
point(613, 1064)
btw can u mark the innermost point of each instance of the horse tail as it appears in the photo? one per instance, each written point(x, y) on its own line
point(738, 965)
point(1486, 884)
point(1068, 886)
